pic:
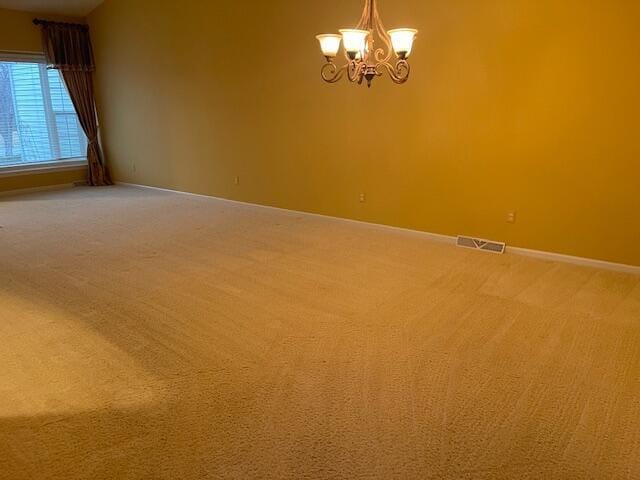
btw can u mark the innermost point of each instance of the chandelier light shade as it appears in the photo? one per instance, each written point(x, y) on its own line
point(330, 45)
point(355, 42)
point(402, 40)
point(363, 60)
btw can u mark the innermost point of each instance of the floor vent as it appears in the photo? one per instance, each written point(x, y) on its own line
point(486, 245)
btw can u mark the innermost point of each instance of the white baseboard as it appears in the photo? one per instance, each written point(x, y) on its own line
point(549, 256)
point(45, 188)
point(581, 261)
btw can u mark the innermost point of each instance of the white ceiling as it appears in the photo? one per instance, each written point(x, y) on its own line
point(76, 8)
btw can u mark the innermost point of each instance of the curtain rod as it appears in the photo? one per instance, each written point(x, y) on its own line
point(38, 21)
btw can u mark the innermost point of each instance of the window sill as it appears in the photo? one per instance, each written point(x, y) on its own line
point(36, 168)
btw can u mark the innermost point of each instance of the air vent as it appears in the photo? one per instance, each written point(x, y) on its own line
point(485, 245)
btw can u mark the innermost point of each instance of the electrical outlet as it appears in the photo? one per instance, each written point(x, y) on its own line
point(363, 198)
point(237, 181)
point(512, 217)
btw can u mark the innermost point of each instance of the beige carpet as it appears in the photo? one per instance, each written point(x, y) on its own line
point(150, 335)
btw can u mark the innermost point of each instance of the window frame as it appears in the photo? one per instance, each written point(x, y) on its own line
point(57, 165)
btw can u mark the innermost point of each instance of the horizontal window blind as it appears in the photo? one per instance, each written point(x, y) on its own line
point(38, 123)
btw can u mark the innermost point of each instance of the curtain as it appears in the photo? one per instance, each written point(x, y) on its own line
point(67, 47)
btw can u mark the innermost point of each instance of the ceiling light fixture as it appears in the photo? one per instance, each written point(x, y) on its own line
point(364, 62)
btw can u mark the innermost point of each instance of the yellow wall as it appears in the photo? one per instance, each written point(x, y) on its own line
point(18, 34)
point(22, 182)
point(526, 105)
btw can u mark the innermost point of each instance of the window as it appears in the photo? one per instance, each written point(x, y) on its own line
point(38, 124)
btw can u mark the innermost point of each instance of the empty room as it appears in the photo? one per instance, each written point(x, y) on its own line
point(304, 239)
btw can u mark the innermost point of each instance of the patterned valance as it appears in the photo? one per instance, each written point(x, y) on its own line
point(67, 46)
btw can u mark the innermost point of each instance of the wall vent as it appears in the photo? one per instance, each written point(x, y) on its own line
point(485, 245)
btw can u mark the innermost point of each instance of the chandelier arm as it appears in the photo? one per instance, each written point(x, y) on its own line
point(331, 73)
point(371, 21)
point(365, 22)
point(380, 54)
point(398, 73)
point(355, 71)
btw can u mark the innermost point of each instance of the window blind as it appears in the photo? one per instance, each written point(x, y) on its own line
point(38, 123)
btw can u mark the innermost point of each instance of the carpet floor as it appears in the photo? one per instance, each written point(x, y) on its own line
point(152, 335)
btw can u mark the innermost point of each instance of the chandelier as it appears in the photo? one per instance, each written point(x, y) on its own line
point(364, 61)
